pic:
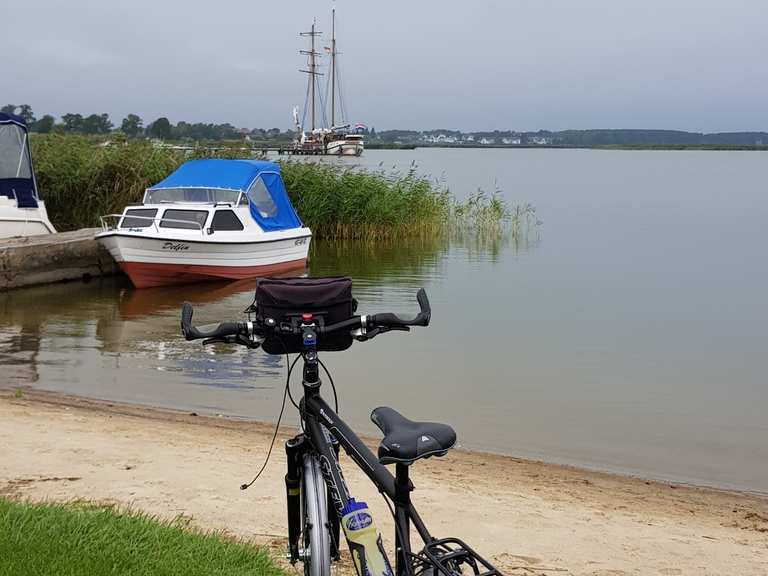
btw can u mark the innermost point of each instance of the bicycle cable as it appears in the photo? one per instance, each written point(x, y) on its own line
point(333, 386)
point(277, 426)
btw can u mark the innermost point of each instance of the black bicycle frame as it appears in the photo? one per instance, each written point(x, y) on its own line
point(322, 426)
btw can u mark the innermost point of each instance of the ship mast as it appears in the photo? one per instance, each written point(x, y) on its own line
point(312, 54)
point(333, 68)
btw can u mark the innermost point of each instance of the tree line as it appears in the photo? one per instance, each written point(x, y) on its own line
point(133, 126)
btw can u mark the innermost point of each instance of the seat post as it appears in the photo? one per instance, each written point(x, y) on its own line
point(403, 489)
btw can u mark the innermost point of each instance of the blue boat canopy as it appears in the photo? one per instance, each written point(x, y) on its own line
point(13, 119)
point(258, 180)
point(17, 181)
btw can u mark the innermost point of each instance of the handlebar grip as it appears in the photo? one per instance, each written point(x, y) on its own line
point(425, 314)
point(194, 333)
point(393, 320)
point(386, 319)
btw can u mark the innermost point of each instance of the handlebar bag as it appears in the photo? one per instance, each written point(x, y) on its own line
point(285, 299)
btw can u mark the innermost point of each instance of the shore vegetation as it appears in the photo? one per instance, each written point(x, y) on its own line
point(82, 178)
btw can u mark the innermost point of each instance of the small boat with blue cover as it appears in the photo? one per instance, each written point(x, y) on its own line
point(22, 212)
point(210, 219)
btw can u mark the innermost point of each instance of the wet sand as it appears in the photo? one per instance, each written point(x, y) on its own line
point(527, 517)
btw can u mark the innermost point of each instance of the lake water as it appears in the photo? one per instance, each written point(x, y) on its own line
point(629, 333)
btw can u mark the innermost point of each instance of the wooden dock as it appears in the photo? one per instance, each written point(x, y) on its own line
point(296, 150)
point(31, 260)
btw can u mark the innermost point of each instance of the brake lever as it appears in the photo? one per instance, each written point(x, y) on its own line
point(247, 342)
point(371, 334)
point(239, 339)
point(219, 340)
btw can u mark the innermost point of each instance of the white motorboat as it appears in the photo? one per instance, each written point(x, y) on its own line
point(346, 145)
point(22, 212)
point(210, 219)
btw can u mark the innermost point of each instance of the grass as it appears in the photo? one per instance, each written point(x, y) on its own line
point(81, 179)
point(89, 540)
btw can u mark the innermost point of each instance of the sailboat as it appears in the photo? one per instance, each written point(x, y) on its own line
point(338, 139)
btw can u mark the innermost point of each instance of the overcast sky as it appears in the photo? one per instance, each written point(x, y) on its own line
point(697, 65)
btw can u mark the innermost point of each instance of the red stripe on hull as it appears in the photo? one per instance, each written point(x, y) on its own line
point(144, 274)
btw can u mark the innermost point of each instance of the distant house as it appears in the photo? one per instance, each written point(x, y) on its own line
point(469, 138)
point(487, 140)
point(511, 141)
point(540, 140)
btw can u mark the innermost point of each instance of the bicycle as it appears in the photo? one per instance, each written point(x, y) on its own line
point(306, 316)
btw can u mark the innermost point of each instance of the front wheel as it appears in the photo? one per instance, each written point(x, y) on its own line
point(315, 524)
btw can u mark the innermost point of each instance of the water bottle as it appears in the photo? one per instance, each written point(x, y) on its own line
point(364, 540)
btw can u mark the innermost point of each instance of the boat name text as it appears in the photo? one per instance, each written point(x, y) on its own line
point(175, 246)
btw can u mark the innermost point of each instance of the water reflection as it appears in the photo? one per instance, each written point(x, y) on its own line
point(105, 338)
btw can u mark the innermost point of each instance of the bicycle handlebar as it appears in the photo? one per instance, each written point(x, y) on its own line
point(390, 320)
point(381, 322)
point(210, 330)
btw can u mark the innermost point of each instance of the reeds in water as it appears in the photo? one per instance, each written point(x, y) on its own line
point(81, 179)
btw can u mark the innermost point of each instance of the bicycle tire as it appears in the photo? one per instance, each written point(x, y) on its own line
point(316, 528)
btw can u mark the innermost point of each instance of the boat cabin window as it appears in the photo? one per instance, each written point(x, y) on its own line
point(187, 219)
point(142, 217)
point(226, 220)
point(260, 198)
point(14, 153)
point(191, 195)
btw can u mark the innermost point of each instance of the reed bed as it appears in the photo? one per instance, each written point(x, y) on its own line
point(81, 179)
point(344, 203)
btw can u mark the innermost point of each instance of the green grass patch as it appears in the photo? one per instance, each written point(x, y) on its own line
point(81, 179)
point(89, 540)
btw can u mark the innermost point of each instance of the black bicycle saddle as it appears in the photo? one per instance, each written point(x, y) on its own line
point(405, 441)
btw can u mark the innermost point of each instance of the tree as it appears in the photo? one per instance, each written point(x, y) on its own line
point(97, 124)
point(72, 122)
point(160, 128)
point(132, 125)
point(44, 125)
point(8, 109)
point(25, 111)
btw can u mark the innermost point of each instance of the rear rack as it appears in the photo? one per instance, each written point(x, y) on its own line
point(447, 556)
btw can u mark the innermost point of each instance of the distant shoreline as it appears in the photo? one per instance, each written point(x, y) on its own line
point(659, 147)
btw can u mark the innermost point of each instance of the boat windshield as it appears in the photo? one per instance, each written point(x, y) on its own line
point(14, 154)
point(192, 195)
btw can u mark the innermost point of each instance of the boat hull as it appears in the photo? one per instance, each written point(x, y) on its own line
point(164, 261)
point(345, 148)
point(16, 221)
point(147, 274)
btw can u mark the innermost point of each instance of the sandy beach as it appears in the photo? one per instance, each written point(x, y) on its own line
point(527, 517)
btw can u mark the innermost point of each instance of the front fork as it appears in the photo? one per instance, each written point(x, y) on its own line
point(295, 448)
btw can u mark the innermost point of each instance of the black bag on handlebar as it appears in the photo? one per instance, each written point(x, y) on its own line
point(329, 300)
